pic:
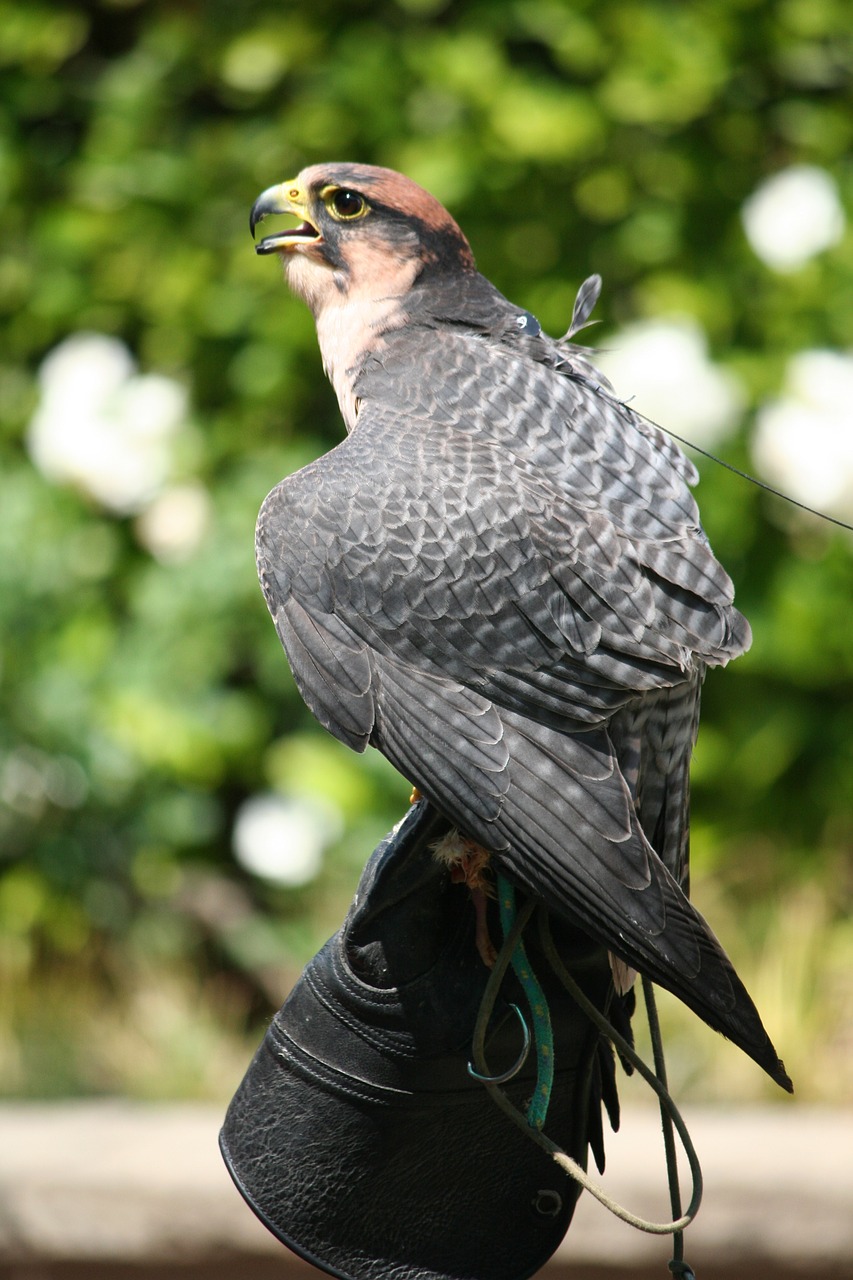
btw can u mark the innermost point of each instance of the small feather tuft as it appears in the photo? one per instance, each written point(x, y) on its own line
point(584, 303)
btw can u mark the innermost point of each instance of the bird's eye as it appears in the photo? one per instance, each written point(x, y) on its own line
point(348, 205)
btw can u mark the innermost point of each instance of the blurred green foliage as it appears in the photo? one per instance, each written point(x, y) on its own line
point(142, 701)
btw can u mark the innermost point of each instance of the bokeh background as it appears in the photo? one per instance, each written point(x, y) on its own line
point(176, 836)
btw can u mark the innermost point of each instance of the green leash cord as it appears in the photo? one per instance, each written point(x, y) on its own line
point(543, 1036)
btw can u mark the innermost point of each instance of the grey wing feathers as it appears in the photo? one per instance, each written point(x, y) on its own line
point(653, 739)
point(501, 607)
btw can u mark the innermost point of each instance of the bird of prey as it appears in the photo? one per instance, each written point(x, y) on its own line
point(499, 579)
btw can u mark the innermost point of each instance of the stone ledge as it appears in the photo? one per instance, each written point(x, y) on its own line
point(136, 1185)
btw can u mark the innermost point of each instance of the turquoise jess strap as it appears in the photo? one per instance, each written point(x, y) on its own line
point(543, 1036)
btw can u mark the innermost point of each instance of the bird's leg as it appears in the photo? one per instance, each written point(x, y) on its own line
point(485, 947)
point(467, 862)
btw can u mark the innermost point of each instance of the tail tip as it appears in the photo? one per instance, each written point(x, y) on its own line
point(780, 1075)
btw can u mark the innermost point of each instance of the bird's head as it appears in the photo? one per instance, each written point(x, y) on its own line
point(363, 232)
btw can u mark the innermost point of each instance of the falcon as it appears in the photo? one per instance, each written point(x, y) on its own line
point(499, 579)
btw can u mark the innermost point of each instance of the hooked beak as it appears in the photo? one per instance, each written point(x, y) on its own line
point(286, 197)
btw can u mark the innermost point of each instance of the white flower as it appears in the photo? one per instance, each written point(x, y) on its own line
point(283, 840)
point(30, 779)
point(173, 526)
point(103, 427)
point(662, 368)
point(803, 442)
point(793, 216)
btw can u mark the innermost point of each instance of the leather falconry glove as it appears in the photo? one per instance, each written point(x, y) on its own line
point(358, 1135)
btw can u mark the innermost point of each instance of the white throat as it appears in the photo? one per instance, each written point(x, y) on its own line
point(348, 330)
point(351, 320)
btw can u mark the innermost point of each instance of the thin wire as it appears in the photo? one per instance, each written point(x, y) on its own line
point(607, 393)
point(744, 475)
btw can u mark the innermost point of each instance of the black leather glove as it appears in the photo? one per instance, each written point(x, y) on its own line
point(358, 1135)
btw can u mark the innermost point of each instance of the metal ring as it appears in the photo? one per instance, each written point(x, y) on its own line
point(516, 1067)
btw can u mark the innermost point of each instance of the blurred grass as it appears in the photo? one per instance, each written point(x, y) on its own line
point(143, 701)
